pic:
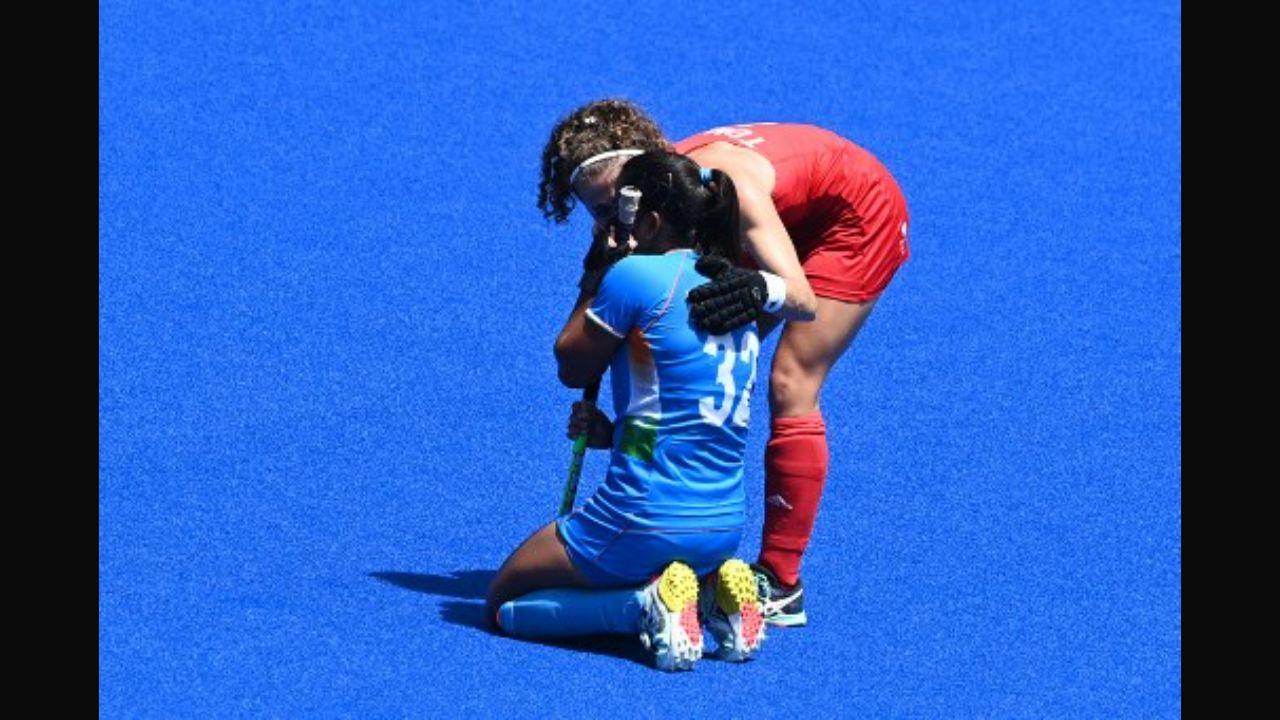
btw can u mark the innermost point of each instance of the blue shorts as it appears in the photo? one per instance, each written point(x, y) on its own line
point(626, 554)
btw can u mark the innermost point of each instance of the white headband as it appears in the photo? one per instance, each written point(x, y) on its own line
point(573, 176)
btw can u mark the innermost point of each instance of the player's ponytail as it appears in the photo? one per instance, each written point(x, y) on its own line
point(716, 231)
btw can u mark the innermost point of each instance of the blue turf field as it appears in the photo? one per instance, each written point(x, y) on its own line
point(328, 406)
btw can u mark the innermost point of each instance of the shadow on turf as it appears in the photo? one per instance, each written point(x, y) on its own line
point(460, 583)
point(471, 585)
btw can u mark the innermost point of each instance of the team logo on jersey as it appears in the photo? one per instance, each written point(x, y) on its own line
point(638, 438)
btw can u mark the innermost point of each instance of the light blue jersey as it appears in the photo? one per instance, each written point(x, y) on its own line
point(674, 486)
point(680, 400)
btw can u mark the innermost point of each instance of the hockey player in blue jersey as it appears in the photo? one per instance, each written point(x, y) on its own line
point(672, 506)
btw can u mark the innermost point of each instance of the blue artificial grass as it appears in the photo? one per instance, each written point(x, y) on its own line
point(328, 406)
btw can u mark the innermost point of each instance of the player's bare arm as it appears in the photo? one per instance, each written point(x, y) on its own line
point(763, 234)
point(584, 348)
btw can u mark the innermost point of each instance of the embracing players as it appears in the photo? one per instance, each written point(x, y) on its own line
point(826, 224)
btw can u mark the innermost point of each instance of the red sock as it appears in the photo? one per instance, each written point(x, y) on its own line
point(795, 462)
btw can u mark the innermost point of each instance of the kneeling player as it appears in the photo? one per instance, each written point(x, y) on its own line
point(672, 504)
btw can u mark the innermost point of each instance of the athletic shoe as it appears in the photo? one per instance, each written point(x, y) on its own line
point(782, 606)
point(669, 619)
point(731, 610)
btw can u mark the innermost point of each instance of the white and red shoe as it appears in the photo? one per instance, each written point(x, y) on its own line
point(669, 626)
point(731, 609)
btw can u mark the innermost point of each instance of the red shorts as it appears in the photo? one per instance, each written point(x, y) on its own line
point(854, 258)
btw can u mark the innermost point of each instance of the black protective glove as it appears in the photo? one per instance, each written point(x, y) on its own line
point(733, 298)
point(599, 258)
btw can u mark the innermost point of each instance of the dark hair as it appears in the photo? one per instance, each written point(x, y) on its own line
point(702, 216)
point(596, 127)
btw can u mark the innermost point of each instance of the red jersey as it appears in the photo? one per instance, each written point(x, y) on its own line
point(834, 198)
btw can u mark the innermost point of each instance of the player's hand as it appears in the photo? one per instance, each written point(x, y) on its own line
point(733, 298)
point(602, 254)
point(585, 417)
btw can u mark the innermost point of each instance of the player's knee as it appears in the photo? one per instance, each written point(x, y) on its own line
point(503, 618)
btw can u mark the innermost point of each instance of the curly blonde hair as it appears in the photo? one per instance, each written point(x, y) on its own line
point(599, 126)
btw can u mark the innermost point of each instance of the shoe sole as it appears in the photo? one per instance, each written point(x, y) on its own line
point(678, 592)
point(793, 620)
point(735, 591)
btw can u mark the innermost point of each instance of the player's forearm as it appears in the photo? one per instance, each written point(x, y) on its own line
point(800, 304)
point(574, 372)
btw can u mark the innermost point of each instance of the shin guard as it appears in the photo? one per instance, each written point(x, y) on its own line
point(795, 473)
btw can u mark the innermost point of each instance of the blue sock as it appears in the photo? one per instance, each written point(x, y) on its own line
point(566, 612)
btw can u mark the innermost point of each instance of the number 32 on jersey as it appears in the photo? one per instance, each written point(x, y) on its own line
point(716, 410)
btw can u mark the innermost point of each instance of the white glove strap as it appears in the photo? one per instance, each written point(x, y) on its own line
point(777, 290)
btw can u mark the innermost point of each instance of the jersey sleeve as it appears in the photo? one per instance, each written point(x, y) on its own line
point(625, 295)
